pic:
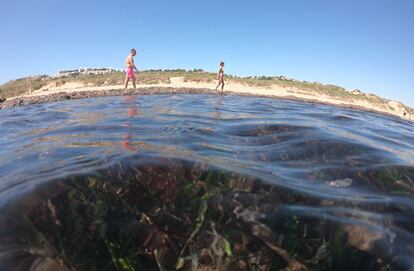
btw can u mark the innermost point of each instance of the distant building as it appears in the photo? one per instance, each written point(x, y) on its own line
point(66, 73)
point(84, 71)
point(39, 77)
point(87, 71)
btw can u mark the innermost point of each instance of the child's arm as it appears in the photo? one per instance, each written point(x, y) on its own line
point(133, 65)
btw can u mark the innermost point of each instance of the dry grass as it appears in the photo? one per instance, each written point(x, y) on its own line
point(20, 86)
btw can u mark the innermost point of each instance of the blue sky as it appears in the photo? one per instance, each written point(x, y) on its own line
point(366, 45)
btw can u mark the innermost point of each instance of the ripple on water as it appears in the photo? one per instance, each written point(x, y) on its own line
point(201, 181)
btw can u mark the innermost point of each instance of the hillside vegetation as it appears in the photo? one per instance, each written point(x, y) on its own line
point(21, 86)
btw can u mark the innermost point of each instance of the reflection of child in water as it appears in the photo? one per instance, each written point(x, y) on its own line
point(132, 112)
point(220, 76)
point(217, 107)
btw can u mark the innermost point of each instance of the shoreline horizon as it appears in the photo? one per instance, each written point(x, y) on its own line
point(72, 93)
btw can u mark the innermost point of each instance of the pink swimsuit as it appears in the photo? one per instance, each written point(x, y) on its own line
point(130, 72)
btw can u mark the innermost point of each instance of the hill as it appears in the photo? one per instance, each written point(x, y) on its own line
point(277, 86)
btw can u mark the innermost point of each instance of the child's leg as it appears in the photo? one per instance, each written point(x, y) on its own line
point(221, 82)
point(133, 83)
point(126, 82)
point(218, 84)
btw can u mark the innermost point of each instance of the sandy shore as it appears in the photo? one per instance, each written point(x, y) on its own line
point(178, 85)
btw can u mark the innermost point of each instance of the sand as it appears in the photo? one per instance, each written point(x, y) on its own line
point(52, 93)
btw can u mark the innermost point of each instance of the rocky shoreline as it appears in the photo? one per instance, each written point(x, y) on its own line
point(71, 95)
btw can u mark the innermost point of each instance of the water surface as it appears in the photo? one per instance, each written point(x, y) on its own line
point(200, 181)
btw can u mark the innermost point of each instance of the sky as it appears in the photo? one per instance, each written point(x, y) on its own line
point(356, 44)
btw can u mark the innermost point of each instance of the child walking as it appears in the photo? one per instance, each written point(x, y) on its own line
point(220, 76)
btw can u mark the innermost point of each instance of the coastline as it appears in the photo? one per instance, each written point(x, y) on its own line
point(179, 85)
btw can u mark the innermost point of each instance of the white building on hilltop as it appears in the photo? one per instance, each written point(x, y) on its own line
point(84, 71)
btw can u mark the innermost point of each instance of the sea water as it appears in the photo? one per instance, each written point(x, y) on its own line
point(204, 182)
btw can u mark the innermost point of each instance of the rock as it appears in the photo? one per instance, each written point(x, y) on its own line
point(48, 264)
point(356, 92)
point(341, 183)
point(400, 109)
point(2, 100)
point(396, 106)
